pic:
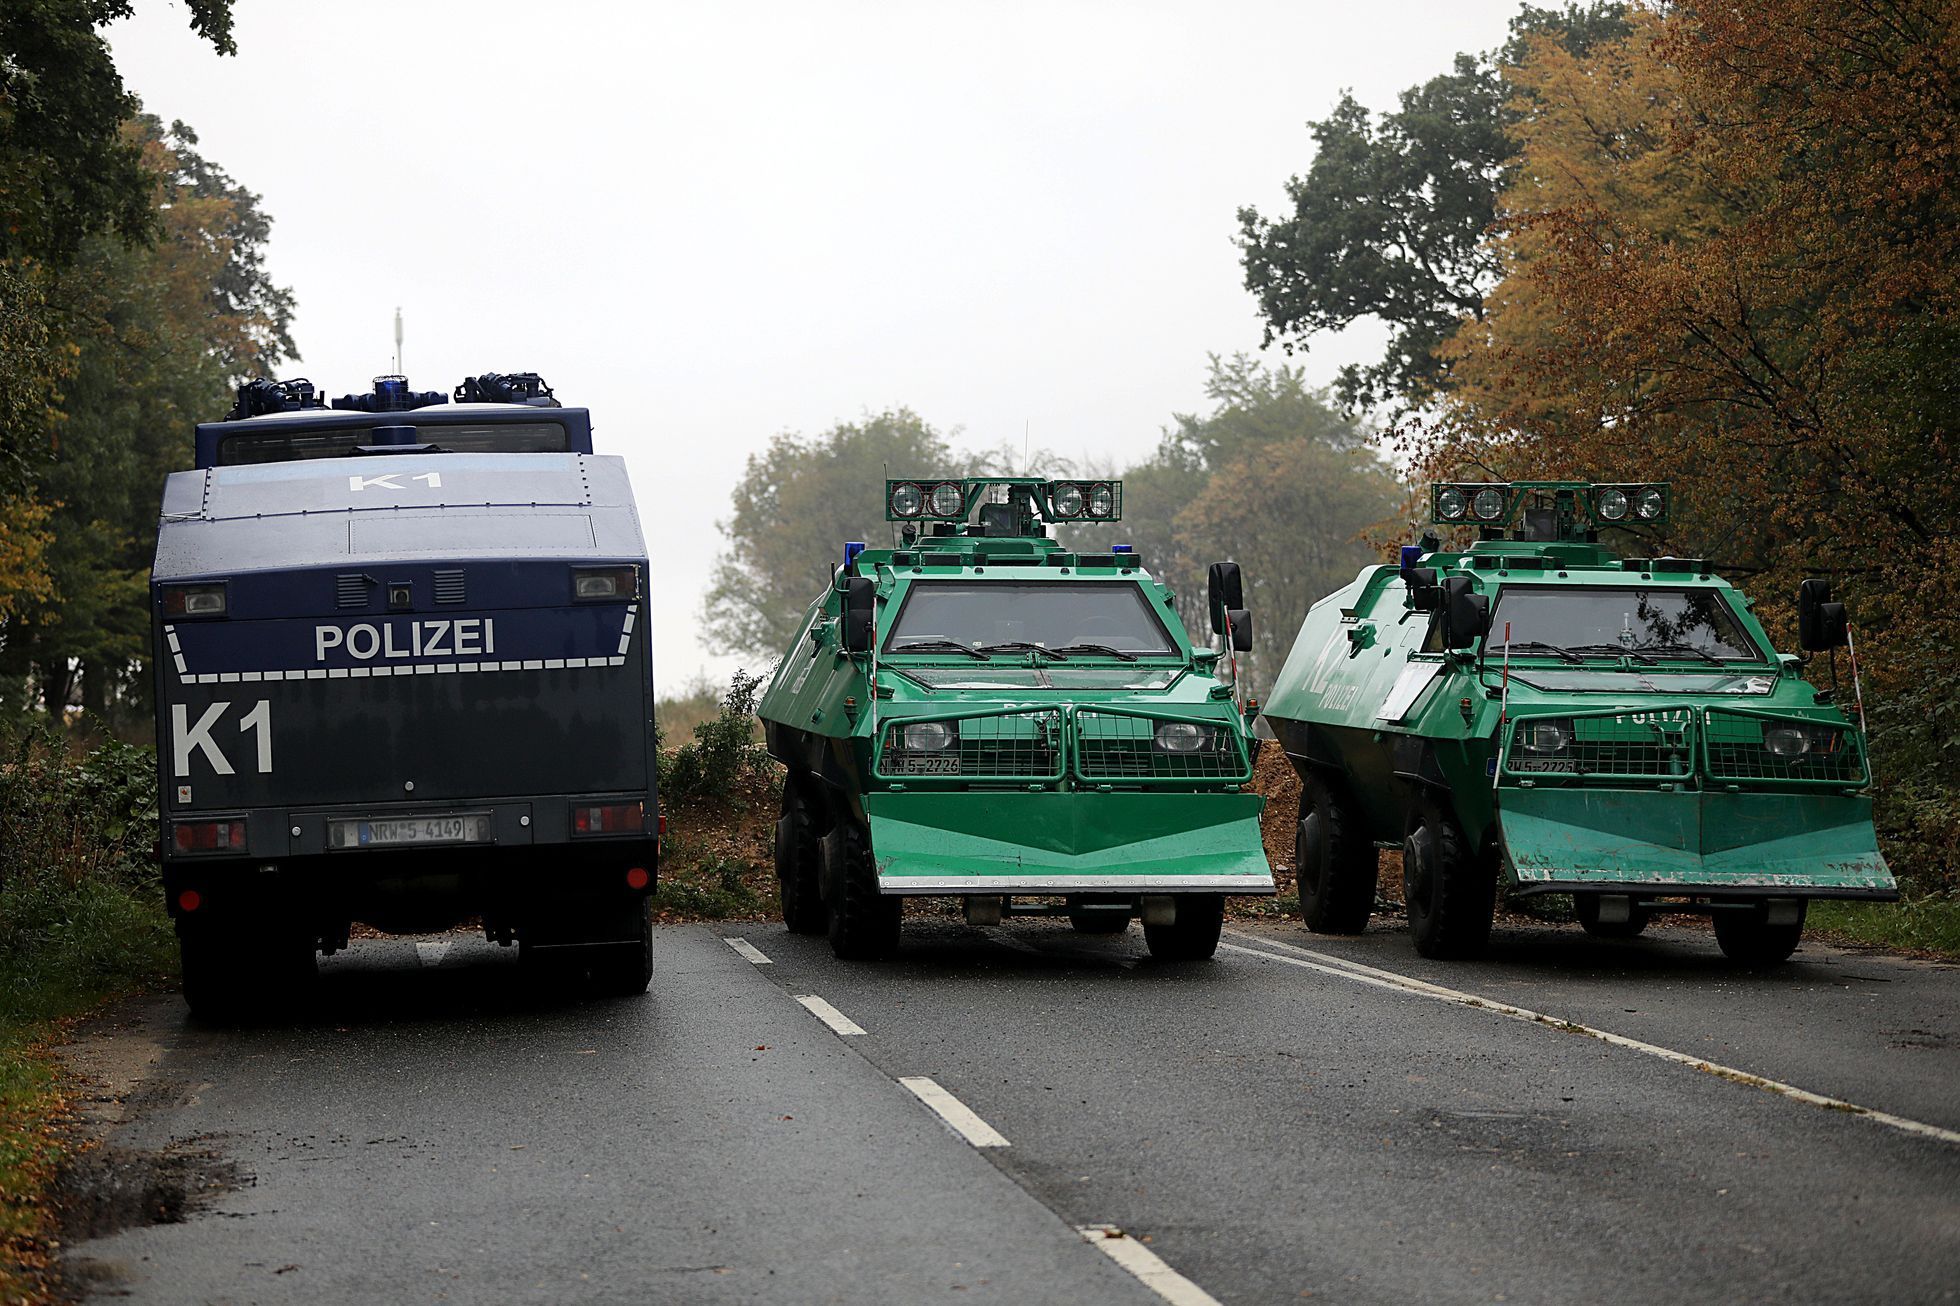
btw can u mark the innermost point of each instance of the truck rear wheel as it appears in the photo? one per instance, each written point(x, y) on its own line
point(1449, 891)
point(799, 864)
point(1193, 933)
point(627, 968)
point(1748, 939)
point(1335, 862)
point(244, 971)
point(863, 922)
point(1586, 907)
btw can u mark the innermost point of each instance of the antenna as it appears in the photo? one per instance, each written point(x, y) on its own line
point(398, 340)
point(1026, 426)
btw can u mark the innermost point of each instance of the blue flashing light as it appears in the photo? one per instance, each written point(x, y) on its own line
point(851, 550)
point(1122, 548)
point(1411, 555)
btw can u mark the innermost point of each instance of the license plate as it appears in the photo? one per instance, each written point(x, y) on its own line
point(924, 764)
point(467, 827)
point(1557, 764)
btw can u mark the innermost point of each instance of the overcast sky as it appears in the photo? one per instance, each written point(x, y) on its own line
point(714, 222)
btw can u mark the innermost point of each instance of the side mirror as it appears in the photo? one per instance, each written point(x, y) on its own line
point(1227, 593)
point(1821, 624)
point(1241, 623)
point(860, 613)
point(1466, 613)
point(1425, 595)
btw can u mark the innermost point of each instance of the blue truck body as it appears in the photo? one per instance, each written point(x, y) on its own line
point(403, 707)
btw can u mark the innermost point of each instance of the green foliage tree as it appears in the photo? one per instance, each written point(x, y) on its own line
point(796, 504)
point(1389, 220)
point(168, 328)
point(67, 171)
point(1272, 477)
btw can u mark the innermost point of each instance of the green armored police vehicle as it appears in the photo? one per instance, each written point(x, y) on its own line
point(984, 714)
point(1534, 708)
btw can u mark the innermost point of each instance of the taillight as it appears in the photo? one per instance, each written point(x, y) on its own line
point(611, 818)
point(602, 583)
point(194, 600)
point(208, 836)
point(189, 900)
point(637, 877)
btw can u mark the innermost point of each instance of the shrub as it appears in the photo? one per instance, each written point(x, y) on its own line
point(724, 750)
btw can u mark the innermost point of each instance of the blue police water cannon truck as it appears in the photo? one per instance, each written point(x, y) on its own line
point(402, 678)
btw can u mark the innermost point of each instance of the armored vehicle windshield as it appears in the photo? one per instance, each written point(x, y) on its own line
point(1665, 623)
point(1009, 616)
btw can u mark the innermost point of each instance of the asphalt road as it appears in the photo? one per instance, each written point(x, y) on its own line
point(1301, 1118)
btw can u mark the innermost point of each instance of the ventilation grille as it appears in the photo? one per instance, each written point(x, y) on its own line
point(350, 591)
point(449, 586)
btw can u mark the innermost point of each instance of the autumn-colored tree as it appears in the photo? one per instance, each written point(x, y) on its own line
point(1728, 259)
point(161, 333)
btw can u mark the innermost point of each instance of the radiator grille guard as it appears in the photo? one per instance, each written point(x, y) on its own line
point(1100, 747)
point(1710, 747)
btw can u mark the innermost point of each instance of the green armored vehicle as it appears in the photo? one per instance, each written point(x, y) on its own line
point(984, 714)
point(1537, 709)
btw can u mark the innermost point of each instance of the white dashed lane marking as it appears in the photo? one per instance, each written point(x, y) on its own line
point(1342, 968)
point(1146, 1265)
point(430, 952)
point(958, 1116)
point(839, 1022)
point(748, 951)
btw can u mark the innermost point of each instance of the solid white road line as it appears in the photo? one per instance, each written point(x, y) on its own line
point(839, 1022)
point(749, 951)
point(1148, 1267)
point(957, 1115)
point(1341, 967)
point(430, 952)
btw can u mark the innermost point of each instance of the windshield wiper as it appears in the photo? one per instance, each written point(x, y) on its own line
point(914, 645)
point(1006, 644)
point(1611, 651)
point(1674, 647)
point(1117, 653)
point(1540, 646)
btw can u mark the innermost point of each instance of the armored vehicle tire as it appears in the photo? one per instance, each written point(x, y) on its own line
point(1086, 916)
point(1335, 862)
point(244, 971)
point(1748, 939)
point(1450, 892)
point(863, 922)
point(799, 864)
point(1586, 907)
point(1193, 934)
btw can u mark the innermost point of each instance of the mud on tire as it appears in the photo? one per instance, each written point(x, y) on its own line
point(863, 922)
point(1449, 890)
point(1334, 860)
point(799, 864)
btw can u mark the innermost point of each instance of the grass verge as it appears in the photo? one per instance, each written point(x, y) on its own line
point(1920, 926)
point(81, 919)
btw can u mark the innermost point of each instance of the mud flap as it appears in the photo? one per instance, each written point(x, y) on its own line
point(1685, 842)
point(1052, 843)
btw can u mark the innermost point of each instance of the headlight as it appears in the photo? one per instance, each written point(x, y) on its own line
point(907, 499)
point(1788, 742)
point(1650, 504)
point(1488, 504)
point(1102, 500)
point(1613, 505)
point(1182, 737)
point(1450, 502)
point(1544, 736)
point(194, 601)
point(927, 737)
point(948, 499)
point(1067, 500)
